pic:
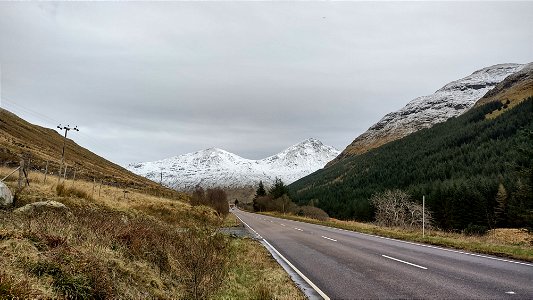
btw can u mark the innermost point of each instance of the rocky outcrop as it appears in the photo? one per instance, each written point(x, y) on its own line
point(41, 206)
point(452, 100)
point(6, 197)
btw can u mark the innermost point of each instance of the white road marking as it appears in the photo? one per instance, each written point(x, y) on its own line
point(421, 245)
point(318, 290)
point(510, 293)
point(298, 229)
point(405, 262)
point(329, 238)
point(249, 227)
point(282, 224)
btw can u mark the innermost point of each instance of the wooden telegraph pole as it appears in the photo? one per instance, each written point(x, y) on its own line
point(67, 129)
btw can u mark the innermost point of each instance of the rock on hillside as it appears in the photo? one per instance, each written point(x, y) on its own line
point(423, 112)
point(219, 168)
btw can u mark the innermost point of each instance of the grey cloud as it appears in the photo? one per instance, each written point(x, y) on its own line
point(150, 80)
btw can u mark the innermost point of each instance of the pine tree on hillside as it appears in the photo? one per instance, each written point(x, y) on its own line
point(279, 189)
point(259, 193)
point(260, 190)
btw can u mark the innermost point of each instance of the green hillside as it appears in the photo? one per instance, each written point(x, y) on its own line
point(458, 165)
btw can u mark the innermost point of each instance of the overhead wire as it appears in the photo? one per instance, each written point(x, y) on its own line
point(51, 121)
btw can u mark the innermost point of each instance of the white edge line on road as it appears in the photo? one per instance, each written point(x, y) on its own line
point(318, 290)
point(329, 238)
point(249, 227)
point(405, 262)
point(421, 245)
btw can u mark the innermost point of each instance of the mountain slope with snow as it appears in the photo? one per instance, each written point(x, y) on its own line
point(452, 100)
point(218, 168)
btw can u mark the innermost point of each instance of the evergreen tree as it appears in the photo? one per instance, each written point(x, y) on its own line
point(259, 193)
point(458, 163)
point(279, 189)
point(260, 190)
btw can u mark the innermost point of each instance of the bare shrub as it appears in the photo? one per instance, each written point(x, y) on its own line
point(203, 261)
point(218, 200)
point(395, 208)
point(312, 212)
point(215, 198)
point(198, 196)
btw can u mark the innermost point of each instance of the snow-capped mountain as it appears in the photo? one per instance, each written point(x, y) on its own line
point(218, 168)
point(451, 100)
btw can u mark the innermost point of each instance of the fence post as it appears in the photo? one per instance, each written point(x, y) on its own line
point(21, 175)
point(45, 171)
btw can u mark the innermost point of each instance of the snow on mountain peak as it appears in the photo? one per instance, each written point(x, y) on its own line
point(451, 100)
point(216, 167)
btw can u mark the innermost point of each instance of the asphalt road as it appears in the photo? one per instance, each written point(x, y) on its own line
point(350, 265)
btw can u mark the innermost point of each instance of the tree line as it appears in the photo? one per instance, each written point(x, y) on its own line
point(277, 199)
point(473, 172)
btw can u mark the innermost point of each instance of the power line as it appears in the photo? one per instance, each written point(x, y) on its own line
point(30, 111)
point(49, 120)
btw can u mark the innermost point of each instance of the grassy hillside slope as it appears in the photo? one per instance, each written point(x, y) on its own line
point(18, 137)
point(458, 165)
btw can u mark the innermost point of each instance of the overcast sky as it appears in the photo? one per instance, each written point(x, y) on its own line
point(146, 81)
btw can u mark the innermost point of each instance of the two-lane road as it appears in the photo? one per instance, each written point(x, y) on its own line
point(347, 265)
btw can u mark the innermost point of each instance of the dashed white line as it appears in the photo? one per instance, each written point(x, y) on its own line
point(405, 262)
point(327, 238)
point(510, 293)
point(298, 229)
point(282, 224)
point(423, 245)
point(317, 289)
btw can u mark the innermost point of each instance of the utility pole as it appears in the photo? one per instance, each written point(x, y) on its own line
point(67, 129)
point(423, 216)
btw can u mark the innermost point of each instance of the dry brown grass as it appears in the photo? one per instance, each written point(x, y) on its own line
point(135, 247)
point(254, 274)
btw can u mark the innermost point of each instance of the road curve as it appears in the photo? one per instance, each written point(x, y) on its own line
point(349, 265)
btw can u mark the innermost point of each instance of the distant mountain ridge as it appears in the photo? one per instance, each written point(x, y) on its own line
point(215, 167)
point(451, 100)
